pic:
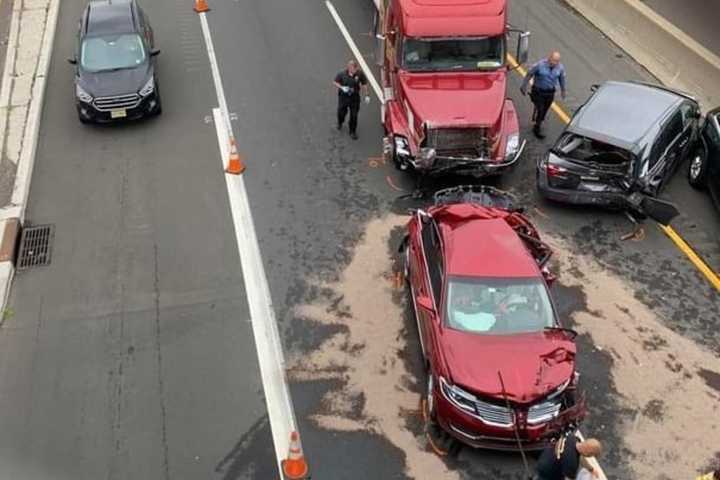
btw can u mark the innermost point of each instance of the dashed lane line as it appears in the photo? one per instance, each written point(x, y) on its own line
point(676, 238)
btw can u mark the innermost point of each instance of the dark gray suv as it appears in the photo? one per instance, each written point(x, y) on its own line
point(628, 138)
point(115, 76)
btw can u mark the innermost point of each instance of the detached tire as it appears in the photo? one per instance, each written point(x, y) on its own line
point(697, 170)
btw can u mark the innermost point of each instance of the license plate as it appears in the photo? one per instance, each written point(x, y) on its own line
point(589, 178)
point(119, 113)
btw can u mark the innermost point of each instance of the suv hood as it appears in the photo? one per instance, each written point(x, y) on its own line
point(529, 368)
point(467, 99)
point(118, 82)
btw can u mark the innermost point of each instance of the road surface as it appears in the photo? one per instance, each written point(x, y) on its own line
point(132, 356)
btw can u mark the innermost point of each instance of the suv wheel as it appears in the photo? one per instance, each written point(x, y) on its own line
point(697, 171)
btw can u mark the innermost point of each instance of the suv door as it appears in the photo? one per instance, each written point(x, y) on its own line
point(433, 260)
point(711, 136)
point(666, 152)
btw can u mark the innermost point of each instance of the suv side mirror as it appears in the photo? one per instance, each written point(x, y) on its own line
point(72, 60)
point(594, 87)
point(425, 303)
point(523, 48)
point(154, 52)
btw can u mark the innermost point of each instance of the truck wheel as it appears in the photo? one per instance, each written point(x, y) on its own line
point(697, 171)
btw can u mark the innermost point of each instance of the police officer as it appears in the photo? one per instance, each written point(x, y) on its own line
point(546, 75)
point(562, 461)
point(349, 83)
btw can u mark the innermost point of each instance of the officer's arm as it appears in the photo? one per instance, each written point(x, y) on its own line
point(364, 85)
point(530, 74)
point(336, 82)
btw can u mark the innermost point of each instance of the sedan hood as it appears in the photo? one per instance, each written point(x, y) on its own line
point(118, 82)
point(532, 364)
point(468, 99)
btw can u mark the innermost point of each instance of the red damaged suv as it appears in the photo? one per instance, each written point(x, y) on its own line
point(500, 365)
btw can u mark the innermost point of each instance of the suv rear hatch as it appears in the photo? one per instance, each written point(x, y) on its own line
point(581, 163)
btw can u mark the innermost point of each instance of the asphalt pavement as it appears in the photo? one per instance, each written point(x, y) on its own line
point(697, 18)
point(131, 355)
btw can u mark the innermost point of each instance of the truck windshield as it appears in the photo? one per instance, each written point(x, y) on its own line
point(427, 54)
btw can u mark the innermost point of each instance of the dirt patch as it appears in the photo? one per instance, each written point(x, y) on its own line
point(650, 362)
point(364, 355)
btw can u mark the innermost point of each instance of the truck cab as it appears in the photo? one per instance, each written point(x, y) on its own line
point(444, 67)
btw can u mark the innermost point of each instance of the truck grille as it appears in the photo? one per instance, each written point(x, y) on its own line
point(459, 142)
point(105, 104)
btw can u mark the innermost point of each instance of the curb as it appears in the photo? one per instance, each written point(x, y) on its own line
point(13, 216)
point(672, 56)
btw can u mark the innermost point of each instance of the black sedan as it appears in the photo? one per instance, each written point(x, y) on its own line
point(704, 171)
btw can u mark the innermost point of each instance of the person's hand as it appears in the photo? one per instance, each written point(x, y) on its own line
point(563, 95)
point(595, 473)
point(345, 89)
point(367, 99)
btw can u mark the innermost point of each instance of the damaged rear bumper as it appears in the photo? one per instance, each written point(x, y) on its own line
point(611, 200)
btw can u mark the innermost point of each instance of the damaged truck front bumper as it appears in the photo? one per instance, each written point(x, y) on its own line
point(429, 163)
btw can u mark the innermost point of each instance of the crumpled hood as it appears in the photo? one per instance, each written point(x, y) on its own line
point(532, 365)
point(468, 99)
point(119, 82)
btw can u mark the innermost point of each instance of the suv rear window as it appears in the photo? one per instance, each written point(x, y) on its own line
point(583, 149)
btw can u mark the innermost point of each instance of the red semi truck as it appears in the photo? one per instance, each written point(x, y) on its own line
point(444, 70)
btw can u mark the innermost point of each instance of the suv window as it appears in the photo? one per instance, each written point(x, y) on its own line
point(670, 131)
point(433, 257)
point(687, 110)
point(711, 128)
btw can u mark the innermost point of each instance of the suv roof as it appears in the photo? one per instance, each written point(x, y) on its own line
point(433, 18)
point(110, 16)
point(622, 113)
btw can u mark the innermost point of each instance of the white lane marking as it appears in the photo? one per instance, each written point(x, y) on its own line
point(356, 52)
point(262, 315)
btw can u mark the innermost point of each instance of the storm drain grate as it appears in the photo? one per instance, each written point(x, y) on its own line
point(35, 246)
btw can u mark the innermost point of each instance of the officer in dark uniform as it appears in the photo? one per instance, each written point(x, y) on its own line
point(349, 83)
point(567, 457)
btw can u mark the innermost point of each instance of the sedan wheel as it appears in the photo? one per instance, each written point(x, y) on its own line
point(430, 399)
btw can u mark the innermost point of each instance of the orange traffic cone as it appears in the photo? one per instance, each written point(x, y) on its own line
point(201, 6)
point(235, 165)
point(295, 467)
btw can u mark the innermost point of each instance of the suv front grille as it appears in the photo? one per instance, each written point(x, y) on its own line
point(494, 414)
point(543, 412)
point(105, 104)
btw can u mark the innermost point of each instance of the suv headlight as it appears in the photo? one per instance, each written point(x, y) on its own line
point(148, 88)
point(82, 95)
point(402, 147)
point(457, 396)
point(513, 145)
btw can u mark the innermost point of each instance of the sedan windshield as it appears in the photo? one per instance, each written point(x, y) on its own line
point(115, 52)
point(484, 53)
point(498, 306)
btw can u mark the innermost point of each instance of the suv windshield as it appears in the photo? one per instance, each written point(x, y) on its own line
point(498, 306)
point(576, 147)
point(420, 54)
point(112, 52)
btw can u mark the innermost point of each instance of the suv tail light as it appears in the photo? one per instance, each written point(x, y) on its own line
point(555, 171)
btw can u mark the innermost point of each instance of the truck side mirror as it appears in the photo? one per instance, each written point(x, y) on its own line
point(425, 303)
point(523, 48)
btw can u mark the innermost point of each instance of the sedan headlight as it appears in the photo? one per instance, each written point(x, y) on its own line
point(513, 145)
point(148, 88)
point(457, 396)
point(82, 95)
point(402, 147)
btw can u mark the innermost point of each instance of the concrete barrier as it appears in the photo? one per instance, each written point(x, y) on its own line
point(667, 52)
